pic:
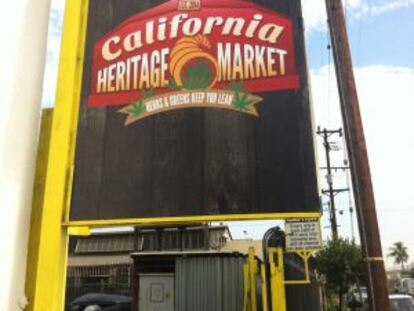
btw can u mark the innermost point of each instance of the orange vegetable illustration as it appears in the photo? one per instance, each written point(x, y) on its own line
point(191, 54)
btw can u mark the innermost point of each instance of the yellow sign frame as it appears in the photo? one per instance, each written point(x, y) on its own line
point(50, 225)
point(188, 219)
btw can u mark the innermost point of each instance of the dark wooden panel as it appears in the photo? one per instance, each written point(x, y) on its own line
point(281, 187)
point(177, 163)
point(127, 165)
point(306, 123)
point(230, 162)
point(90, 147)
point(194, 161)
point(126, 182)
point(286, 141)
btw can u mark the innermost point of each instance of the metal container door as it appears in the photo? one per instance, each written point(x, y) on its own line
point(156, 292)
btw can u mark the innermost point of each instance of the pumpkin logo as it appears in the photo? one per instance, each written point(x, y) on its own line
point(191, 65)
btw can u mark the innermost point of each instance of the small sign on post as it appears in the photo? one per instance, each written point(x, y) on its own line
point(303, 234)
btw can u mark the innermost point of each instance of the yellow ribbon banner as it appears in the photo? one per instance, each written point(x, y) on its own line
point(223, 99)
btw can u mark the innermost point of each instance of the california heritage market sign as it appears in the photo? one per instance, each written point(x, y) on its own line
point(183, 54)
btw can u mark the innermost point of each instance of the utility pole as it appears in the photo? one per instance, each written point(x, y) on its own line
point(325, 134)
point(358, 157)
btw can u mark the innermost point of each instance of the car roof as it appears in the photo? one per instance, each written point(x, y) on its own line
point(399, 296)
point(101, 298)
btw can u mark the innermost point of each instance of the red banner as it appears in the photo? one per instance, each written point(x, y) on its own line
point(169, 47)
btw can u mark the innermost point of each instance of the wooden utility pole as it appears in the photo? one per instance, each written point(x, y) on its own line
point(360, 171)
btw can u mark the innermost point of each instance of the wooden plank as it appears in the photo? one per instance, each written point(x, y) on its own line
point(307, 142)
point(230, 182)
point(281, 180)
point(178, 163)
point(287, 160)
point(127, 166)
point(90, 144)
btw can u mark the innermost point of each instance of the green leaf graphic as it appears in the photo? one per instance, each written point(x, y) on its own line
point(197, 76)
point(136, 109)
point(241, 99)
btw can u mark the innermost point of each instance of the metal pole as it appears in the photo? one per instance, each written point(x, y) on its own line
point(253, 269)
point(334, 224)
point(361, 176)
point(332, 209)
point(277, 278)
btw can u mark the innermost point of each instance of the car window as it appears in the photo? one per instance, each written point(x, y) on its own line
point(402, 304)
point(123, 307)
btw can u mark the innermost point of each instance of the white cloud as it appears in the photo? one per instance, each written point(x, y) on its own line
point(314, 11)
point(387, 106)
point(386, 6)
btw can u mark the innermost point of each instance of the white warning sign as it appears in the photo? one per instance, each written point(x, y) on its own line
point(303, 234)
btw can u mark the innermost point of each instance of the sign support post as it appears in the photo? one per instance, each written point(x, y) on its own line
point(53, 237)
point(277, 279)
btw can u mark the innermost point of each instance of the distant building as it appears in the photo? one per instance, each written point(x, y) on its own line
point(243, 245)
point(160, 259)
point(103, 263)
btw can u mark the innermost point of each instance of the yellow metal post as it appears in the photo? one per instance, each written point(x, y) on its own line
point(265, 307)
point(79, 231)
point(252, 278)
point(277, 279)
point(50, 264)
point(37, 204)
point(246, 287)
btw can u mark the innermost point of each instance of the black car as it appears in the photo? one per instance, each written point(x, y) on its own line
point(101, 302)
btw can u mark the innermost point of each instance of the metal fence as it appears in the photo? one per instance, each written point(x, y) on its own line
point(209, 283)
point(110, 279)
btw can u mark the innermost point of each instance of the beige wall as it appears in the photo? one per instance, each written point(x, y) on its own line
point(23, 31)
point(242, 246)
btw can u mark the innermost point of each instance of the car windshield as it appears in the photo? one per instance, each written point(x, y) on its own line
point(402, 304)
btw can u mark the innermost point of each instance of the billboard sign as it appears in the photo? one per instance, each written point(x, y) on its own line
point(171, 58)
point(193, 108)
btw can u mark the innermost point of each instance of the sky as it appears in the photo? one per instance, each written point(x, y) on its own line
point(382, 44)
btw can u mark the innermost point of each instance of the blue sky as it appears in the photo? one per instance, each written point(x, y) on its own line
point(381, 34)
point(375, 39)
